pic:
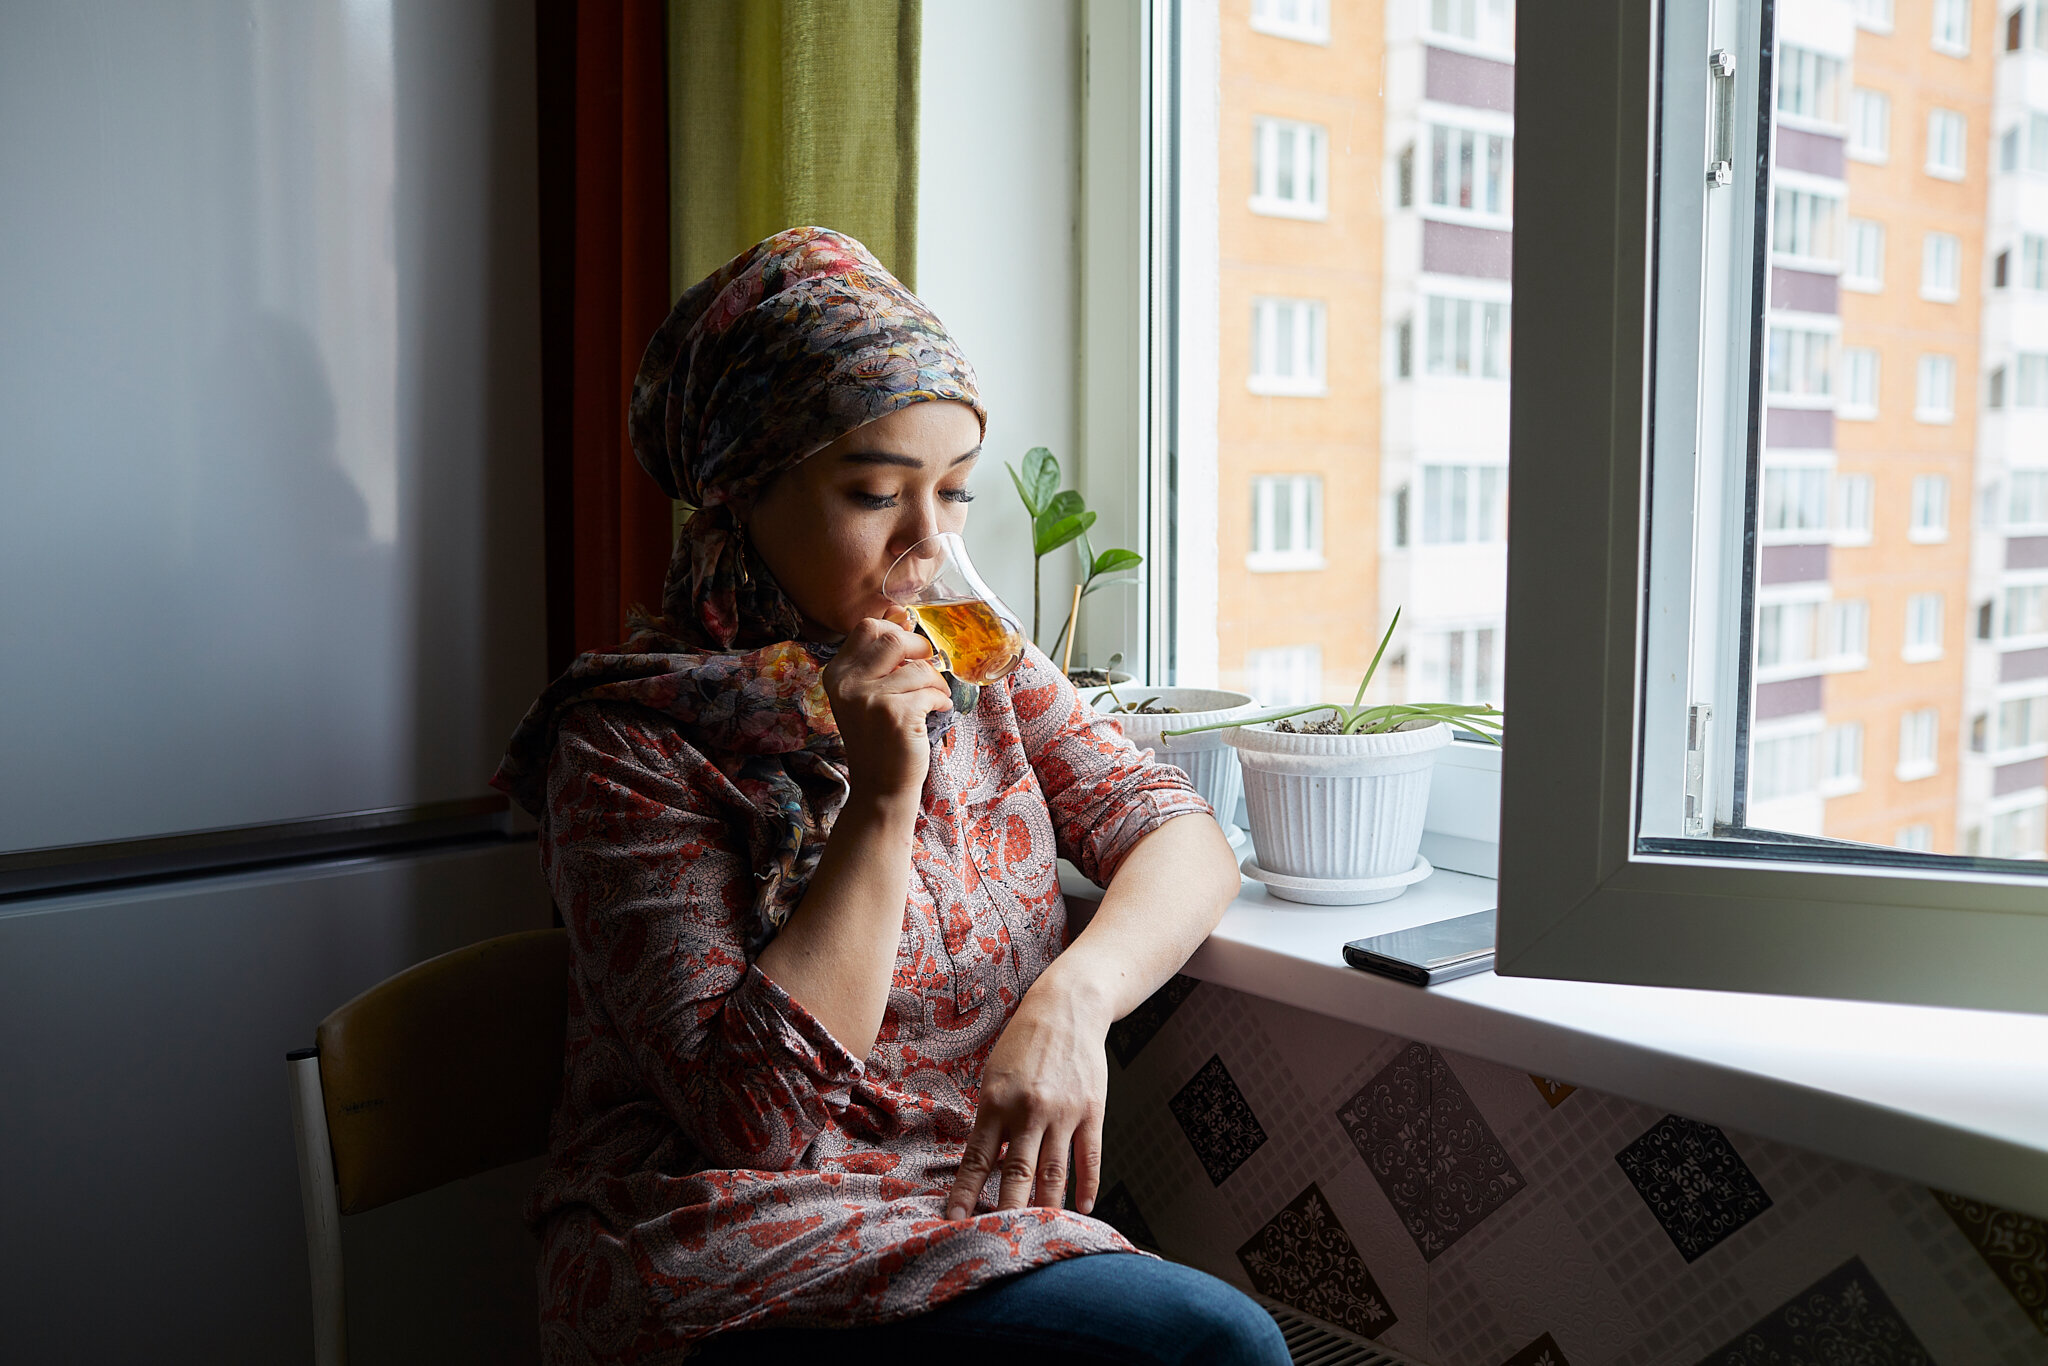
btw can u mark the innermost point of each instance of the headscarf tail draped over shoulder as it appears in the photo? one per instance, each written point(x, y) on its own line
point(776, 354)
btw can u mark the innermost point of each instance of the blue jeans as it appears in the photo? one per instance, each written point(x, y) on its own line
point(1104, 1307)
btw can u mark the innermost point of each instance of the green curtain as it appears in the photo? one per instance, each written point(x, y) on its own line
point(788, 112)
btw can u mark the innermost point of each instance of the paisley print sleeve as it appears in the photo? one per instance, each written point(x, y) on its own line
point(1105, 794)
point(653, 889)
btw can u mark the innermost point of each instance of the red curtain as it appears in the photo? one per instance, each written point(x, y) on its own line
point(605, 288)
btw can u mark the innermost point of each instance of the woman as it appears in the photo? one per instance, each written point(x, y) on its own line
point(828, 1068)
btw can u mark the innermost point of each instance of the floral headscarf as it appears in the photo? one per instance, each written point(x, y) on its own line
point(776, 354)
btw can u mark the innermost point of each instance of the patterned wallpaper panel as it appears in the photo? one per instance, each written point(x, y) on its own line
point(1470, 1215)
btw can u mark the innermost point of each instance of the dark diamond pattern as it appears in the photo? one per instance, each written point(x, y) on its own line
point(1694, 1182)
point(1554, 1092)
point(1221, 1126)
point(1304, 1259)
point(2014, 1246)
point(1843, 1317)
point(1542, 1352)
point(1128, 1036)
point(1429, 1148)
point(1117, 1209)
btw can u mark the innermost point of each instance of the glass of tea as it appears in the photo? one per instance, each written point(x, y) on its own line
point(975, 637)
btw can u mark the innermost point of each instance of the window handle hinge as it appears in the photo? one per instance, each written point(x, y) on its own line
point(1721, 158)
point(1699, 717)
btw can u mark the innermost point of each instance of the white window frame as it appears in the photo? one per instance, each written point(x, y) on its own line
point(1948, 130)
point(1487, 38)
point(1477, 530)
point(1854, 513)
point(1304, 494)
point(1941, 267)
point(1802, 195)
point(1309, 323)
point(1430, 340)
point(2033, 691)
point(2037, 483)
point(1874, 16)
point(1800, 66)
point(1304, 663)
point(1934, 388)
point(1927, 510)
point(1951, 28)
point(1841, 739)
point(1915, 760)
point(1870, 112)
point(1314, 28)
point(1853, 276)
point(1590, 888)
point(1455, 123)
point(1840, 653)
point(1925, 613)
point(1311, 150)
point(1862, 378)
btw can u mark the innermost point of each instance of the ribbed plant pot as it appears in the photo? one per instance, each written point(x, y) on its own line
point(1207, 758)
point(1336, 806)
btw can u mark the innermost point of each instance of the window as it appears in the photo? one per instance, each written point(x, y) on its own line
point(1399, 514)
point(1489, 23)
point(1287, 522)
point(1923, 628)
point(2023, 611)
point(1803, 224)
point(2028, 150)
point(1782, 766)
point(2022, 725)
point(1305, 21)
point(1853, 500)
point(1875, 15)
point(1941, 267)
point(1800, 361)
point(1795, 499)
point(1934, 389)
point(1289, 676)
point(1459, 665)
point(1404, 349)
point(1918, 731)
point(1467, 338)
point(1464, 504)
point(2020, 832)
point(1859, 383)
point(1848, 634)
point(1471, 171)
point(1930, 509)
point(1809, 85)
point(1788, 639)
point(1952, 27)
point(1842, 759)
point(2033, 262)
point(1918, 836)
point(2030, 380)
point(1870, 125)
point(1404, 177)
point(1994, 388)
point(1865, 268)
point(2026, 500)
point(1287, 347)
point(1945, 132)
point(1290, 169)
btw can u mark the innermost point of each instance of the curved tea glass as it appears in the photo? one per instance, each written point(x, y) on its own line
point(976, 637)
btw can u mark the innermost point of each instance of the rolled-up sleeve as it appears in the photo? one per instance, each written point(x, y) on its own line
point(653, 884)
point(1104, 793)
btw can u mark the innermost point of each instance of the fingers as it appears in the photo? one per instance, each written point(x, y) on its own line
point(975, 1164)
point(1088, 1162)
point(1019, 1168)
point(1050, 1186)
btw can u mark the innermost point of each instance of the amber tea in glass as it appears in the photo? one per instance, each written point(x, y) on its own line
point(976, 638)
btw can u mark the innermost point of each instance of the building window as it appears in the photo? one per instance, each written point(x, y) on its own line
point(2028, 150)
point(1946, 131)
point(1875, 15)
point(1918, 837)
point(2030, 380)
point(1795, 500)
point(1803, 224)
point(1854, 496)
point(1467, 338)
point(1859, 383)
point(2023, 611)
point(1404, 349)
point(1788, 637)
point(2026, 500)
point(2022, 724)
point(2033, 262)
point(1399, 531)
point(1287, 522)
point(1290, 169)
point(1287, 347)
point(1941, 267)
point(1870, 125)
point(1923, 628)
point(1464, 504)
point(1305, 21)
point(1471, 171)
point(1783, 765)
point(1918, 731)
point(1934, 389)
point(1994, 388)
point(1809, 85)
point(1952, 27)
point(1848, 634)
point(1800, 362)
point(1404, 177)
point(1290, 676)
point(1458, 666)
point(2020, 833)
point(1864, 270)
point(2001, 269)
point(1488, 23)
point(1930, 509)
point(1842, 758)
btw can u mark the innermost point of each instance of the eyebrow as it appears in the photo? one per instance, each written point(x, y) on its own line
point(892, 458)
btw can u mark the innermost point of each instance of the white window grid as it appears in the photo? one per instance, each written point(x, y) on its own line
point(1919, 744)
point(1285, 676)
point(1923, 628)
point(1288, 347)
point(2019, 728)
point(1854, 515)
point(1863, 268)
point(1947, 132)
point(2026, 501)
point(1305, 21)
point(1846, 639)
point(1794, 506)
point(1290, 168)
point(1994, 388)
point(1874, 16)
point(1941, 267)
point(2023, 612)
point(2024, 146)
point(1918, 837)
point(1461, 664)
point(1804, 226)
point(2033, 272)
point(1841, 770)
point(1785, 761)
point(2020, 830)
point(1287, 523)
point(1485, 24)
point(1464, 504)
point(1809, 86)
point(1468, 174)
point(2027, 26)
point(1466, 338)
point(1799, 363)
point(1928, 516)
point(1952, 27)
point(1870, 125)
point(1934, 389)
point(1789, 640)
point(1859, 383)
point(2030, 380)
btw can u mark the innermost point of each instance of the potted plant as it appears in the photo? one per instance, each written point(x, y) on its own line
point(1336, 793)
point(1173, 723)
point(1062, 517)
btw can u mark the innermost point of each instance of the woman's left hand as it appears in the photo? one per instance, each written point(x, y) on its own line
point(1043, 1091)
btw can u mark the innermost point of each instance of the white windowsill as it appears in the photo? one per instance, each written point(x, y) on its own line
point(1284, 562)
point(1913, 773)
point(1288, 208)
point(1957, 1099)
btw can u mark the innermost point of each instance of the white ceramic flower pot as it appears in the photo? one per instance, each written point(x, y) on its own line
point(1336, 806)
point(1207, 759)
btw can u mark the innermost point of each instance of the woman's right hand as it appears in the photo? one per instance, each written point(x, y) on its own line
point(882, 685)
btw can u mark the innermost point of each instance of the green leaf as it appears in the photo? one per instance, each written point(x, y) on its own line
point(1374, 667)
point(1096, 585)
point(1049, 534)
point(1041, 476)
point(1065, 503)
point(1022, 492)
point(1109, 561)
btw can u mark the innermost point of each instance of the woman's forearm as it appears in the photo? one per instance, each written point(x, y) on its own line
point(1167, 895)
point(836, 954)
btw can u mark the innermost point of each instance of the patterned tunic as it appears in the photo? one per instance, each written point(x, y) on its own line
point(719, 1160)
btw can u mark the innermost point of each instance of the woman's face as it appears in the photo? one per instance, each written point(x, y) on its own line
point(830, 528)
